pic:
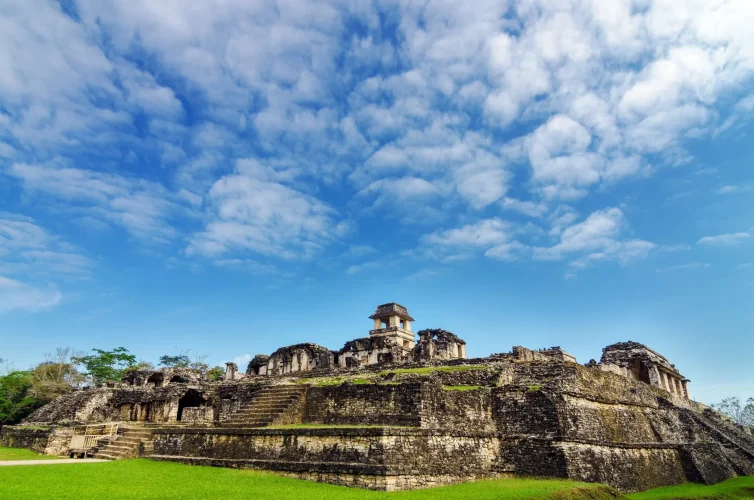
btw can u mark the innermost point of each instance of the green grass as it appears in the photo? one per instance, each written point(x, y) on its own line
point(430, 369)
point(21, 454)
point(736, 488)
point(148, 480)
point(461, 387)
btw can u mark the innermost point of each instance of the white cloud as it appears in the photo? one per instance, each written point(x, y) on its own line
point(144, 208)
point(426, 118)
point(27, 250)
point(15, 295)
point(252, 212)
point(242, 361)
point(684, 267)
point(596, 238)
point(529, 208)
point(31, 254)
point(482, 234)
point(724, 239)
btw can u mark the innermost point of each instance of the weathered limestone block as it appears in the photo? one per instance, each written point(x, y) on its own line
point(585, 420)
point(373, 404)
point(464, 410)
point(628, 469)
point(24, 437)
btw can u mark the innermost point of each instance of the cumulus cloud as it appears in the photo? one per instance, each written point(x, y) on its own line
point(224, 122)
point(252, 211)
point(597, 238)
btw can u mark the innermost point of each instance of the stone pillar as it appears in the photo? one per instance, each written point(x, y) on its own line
point(678, 389)
point(377, 324)
point(231, 369)
point(408, 325)
point(664, 378)
point(686, 389)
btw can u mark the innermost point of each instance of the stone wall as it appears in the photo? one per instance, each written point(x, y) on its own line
point(364, 404)
point(450, 408)
point(89, 405)
point(626, 468)
point(21, 437)
point(376, 458)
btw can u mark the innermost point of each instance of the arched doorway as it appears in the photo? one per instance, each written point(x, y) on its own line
point(177, 379)
point(192, 399)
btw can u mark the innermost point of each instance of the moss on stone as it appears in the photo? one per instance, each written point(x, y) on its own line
point(461, 387)
point(430, 369)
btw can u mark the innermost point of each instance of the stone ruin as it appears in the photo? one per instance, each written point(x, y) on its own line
point(390, 412)
point(391, 341)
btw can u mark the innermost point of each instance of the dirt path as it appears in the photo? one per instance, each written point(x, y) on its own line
point(51, 462)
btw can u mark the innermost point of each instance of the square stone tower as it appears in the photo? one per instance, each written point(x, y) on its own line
point(393, 320)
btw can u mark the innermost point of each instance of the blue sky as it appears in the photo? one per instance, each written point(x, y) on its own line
point(231, 176)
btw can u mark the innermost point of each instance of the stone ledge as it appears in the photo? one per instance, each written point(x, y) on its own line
point(322, 431)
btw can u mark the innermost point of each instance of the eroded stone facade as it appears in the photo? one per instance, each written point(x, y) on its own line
point(422, 416)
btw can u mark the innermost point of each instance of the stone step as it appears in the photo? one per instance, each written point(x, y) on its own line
point(243, 422)
point(265, 406)
point(262, 411)
point(269, 401)
point(114, 447)
point(128, 440)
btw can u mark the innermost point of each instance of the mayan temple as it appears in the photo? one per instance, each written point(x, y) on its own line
point(394, 410)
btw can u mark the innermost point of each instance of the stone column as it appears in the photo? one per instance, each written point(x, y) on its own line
point(666, 382)
point(230, 371)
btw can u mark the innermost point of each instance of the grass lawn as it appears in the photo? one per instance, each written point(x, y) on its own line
point(21, 454)
point(144, 479)
point(736, 488)
point(149, 480)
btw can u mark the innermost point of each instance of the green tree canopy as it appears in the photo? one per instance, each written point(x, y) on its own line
point(107, 366)
point(215, 373)
point(177, 361)
point(15, 401)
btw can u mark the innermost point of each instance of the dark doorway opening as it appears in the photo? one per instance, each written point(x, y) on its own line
point(640, 371)
point(178, 380)
point(156, 379)
point(192, 399)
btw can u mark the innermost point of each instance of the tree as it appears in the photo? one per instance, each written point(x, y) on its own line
point(107, 366)
point(183, 360)
point(15, 402)
point(215, 373)
point(740, 414)
point(177, 361)
point(55, 375)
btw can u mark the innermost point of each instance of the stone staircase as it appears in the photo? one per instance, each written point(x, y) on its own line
point(271, 405)
point(130, 442)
